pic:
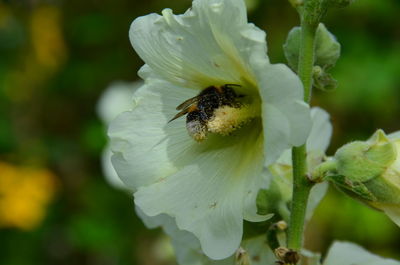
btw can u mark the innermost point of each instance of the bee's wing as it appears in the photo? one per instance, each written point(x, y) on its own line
point(179, 114)
point(187, 103)
point(184, 107)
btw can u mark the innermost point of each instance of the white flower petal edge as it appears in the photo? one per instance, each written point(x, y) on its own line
point(345, 253)
point(187, 246)
point(286, 118)
point(321, 131)
point(139, 138)
point(108, 170)
point(256, 248)
point(317, 144)
point(117, 98)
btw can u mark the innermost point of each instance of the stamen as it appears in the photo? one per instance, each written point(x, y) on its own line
point(227, 119)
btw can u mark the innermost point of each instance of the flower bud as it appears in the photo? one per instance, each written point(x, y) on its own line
point(323, 80)
point(370, 172)
point(327, 48)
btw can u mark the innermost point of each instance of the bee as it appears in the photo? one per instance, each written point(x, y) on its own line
point(200, 109)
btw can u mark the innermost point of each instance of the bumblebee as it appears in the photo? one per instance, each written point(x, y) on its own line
point(201, 109)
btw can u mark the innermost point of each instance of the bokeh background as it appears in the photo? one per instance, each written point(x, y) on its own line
point(58, 56)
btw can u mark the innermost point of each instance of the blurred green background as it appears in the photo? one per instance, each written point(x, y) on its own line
point(58, 56)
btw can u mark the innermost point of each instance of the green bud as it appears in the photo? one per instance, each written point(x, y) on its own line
point(323, 80)
point(362, 161)
point(327, 48)
point(370, 172)
point(291, 47)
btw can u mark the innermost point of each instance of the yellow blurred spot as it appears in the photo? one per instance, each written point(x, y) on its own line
point(42, 59)
point(24, 195)
point(4, 14)
point(47, 38)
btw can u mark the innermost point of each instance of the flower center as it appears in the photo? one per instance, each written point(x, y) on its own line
point(217, 110)
point(227, 119)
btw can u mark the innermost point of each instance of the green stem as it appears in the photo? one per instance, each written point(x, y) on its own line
point(306, 57)
point(319, 173)
point(301, 184)
point(301, 191)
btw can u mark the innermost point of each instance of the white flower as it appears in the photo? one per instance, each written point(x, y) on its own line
point(116, 99)
point(345, 253)
point(208, 187)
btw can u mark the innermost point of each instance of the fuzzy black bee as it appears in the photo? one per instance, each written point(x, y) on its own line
point(200, 109)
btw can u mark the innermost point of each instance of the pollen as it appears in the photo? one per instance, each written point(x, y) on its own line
point(227, 119)
point(197, 130)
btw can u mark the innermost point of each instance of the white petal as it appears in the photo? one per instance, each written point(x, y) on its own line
point(276, 132)
point(139, 138)
point(116, 99)
point(169, 226)
point(317, 193)
point(260, 253)
point(278, 83)
point(193, 256)
point(321, 130)
point(319, 137)
point(186, 245)
point(286, 118)
point(210, 44)
point(207, 196)
point(250, 207)
point(109, 171)
point(310, 258)
point(344, 253)
point(298, 115)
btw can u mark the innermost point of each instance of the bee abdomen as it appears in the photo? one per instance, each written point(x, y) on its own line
point(196, 125)
point(197, 130)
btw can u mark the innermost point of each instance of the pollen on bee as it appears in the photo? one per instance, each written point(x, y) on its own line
point(226, 119)
point(197, 130)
